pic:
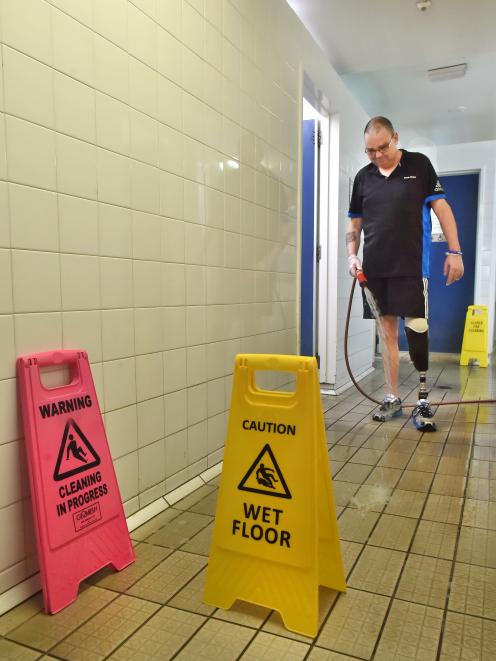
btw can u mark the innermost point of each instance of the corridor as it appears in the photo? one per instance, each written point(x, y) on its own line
point(417, 517)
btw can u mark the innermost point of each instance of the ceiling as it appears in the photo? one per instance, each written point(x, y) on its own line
point(383, 49)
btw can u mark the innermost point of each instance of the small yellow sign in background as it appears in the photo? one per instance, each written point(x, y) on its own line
point(275, 536)
point(475, 336)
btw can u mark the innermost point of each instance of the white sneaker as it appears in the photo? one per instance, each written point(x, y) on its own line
point(389, 409)
point(423, 417)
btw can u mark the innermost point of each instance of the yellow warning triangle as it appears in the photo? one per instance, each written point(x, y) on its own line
point(264, 476)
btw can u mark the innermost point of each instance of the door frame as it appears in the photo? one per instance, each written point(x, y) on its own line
point(319, 106)
point(309, 232)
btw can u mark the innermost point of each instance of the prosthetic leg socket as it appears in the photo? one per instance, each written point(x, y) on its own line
point(418, 344)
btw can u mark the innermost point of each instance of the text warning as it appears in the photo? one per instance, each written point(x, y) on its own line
point(262, 524)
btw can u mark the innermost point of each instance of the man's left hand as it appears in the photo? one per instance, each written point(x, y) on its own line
point(453, 268)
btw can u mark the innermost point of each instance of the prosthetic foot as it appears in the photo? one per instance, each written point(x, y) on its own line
point(389, 409)
point(422, 416)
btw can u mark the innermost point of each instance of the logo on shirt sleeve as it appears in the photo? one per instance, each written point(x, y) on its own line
point(438, 187)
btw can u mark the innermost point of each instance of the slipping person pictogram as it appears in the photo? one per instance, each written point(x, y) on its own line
point(265, 476)
point(76, 454)
point(77, 450)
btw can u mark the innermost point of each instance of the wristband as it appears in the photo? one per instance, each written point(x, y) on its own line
point(453, 252)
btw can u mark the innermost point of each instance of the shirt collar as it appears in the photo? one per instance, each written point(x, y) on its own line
point(400, 162)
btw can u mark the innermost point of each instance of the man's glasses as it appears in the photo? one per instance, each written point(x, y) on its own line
point(381, 150)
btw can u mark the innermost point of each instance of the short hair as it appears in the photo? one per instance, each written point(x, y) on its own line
point(378, 122)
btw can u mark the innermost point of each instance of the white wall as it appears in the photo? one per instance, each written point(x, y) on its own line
point(351, 119)
point(149, 190)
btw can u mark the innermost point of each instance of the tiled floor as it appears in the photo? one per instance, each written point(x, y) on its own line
point(417, 516)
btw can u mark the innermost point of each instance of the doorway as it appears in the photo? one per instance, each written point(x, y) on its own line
point(314, 279)
point(448, 305)
point(310, 245)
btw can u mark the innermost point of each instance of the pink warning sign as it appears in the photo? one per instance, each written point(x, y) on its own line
point(79, 520)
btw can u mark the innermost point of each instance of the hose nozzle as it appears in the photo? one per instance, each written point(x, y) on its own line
point(360, 276)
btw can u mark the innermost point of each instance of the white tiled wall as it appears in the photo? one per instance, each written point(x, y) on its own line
point(148, 213)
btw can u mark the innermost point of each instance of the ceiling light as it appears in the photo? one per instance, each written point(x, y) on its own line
point(447, 73)
point(423, 4)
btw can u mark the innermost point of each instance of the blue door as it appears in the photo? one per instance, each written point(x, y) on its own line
point(308, 240)
point(448, 305)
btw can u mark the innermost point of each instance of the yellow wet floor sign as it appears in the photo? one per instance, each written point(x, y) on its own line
point(475, 334)
point(275, 536)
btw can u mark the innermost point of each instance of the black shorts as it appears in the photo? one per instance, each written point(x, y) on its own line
point(399, 297)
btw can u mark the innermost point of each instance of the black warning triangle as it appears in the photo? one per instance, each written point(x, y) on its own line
point(264, 476)
point(76, 454)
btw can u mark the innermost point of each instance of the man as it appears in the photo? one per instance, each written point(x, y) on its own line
point(391, 202)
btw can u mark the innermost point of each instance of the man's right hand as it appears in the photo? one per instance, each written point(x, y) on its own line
point(354, 265)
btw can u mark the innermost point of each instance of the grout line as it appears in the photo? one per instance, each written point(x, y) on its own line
point(366, 543)
point(3, 128)
point(149, 307)
point(82, 623)
point(19, 593)
point(408, 550)
point(30, 586)
point(208, 617)
point(419, 518)
point(160, 604)
point(96, 144)
point(460, 523)
point(145, 514)
point(149, 213)
point(326, 649)
point(155, 21)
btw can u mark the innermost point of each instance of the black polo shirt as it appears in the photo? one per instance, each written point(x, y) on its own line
point(396, 216)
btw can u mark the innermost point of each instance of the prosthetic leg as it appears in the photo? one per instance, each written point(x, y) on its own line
point(417, 335)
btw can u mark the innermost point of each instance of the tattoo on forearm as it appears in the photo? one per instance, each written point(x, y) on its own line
point(351, 237)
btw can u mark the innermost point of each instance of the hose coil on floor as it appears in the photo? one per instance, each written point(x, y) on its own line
point(354, 381)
